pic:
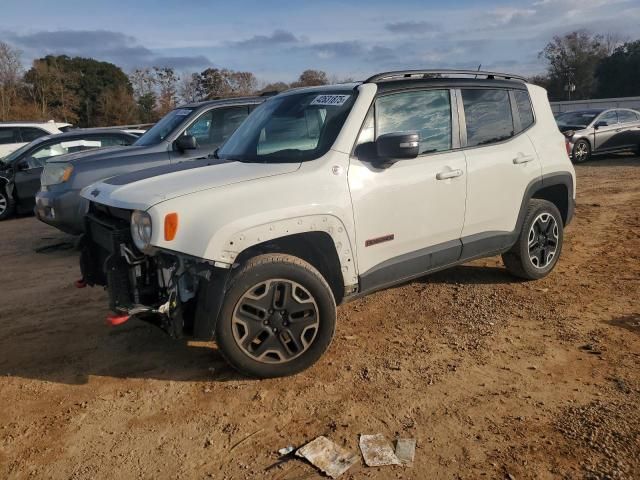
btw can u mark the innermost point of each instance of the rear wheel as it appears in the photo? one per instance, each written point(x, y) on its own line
point(7, 206)
point(581, 151)
point(278, 317)
point(539, 244)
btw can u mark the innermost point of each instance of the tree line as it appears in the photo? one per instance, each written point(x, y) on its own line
point(584, 65)
point(87, 92)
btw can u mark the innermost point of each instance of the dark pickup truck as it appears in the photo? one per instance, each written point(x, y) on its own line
point(189, 132)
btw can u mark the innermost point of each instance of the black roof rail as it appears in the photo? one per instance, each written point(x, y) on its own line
point(379, 77)
point(270, 93)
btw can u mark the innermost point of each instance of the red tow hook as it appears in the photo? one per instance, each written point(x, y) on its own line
point(114, 319)
point(80, 283)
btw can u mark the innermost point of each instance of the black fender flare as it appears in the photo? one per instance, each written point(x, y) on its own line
point(558, 178)
point(209, 299)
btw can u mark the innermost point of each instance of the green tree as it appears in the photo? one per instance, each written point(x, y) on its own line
point(311, 78)
point(618, 74)
point(571, 63)
point(72, 87)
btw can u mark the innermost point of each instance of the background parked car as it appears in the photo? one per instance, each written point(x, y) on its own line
point(20, 171)
point(189, 132)
point(14, 135)
point(592, 132)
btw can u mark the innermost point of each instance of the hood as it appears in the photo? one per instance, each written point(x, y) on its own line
point(145, 188)
point(98, 154)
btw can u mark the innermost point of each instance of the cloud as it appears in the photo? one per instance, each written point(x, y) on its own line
point(277, 38)
point(123, 50)
point(411, 27)
point(338, 49)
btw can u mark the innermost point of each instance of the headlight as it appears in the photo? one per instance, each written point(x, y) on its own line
point(141, 229)
point(569, 133)
point(55, 173)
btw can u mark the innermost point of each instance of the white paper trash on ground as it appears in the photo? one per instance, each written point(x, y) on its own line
point(327, 456)
point(406, 450)
point(377, 451)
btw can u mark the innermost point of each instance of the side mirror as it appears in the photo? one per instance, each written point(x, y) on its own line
point(23, 165)
point(186, 142)
point(398, 145)
point(601, 123)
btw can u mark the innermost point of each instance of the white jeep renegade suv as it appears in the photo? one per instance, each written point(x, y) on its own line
point(325, 194)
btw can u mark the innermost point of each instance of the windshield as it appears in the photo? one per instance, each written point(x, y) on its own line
point(576, 119)
point(13, 156)
point(290, 128)
point(164, 127)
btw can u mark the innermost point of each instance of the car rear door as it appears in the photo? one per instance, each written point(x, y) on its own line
point(628, 132)
point(501, 163)
point(408, 214)
point(605, 133)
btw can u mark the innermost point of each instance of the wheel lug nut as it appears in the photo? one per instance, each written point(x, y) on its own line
point(271, 310)
point(266, 322)
point(275, 330)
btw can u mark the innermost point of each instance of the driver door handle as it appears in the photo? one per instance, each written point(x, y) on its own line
point(449, 174)
point(520, 159)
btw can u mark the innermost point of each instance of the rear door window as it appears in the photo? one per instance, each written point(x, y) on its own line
point(30, 134)
point(427, 112)
point(8, 135)
point(525, 110)
point(488, 116)
point(627, 116)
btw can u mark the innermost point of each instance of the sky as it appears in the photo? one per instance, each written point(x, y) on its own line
point(278, 39)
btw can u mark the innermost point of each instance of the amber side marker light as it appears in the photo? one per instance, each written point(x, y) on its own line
point(170, 226)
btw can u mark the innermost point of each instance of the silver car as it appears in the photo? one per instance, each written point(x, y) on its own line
point(594, 132)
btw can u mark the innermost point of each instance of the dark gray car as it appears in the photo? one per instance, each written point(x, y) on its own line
point(189, 132)
point(20, 170)
point(593, 132)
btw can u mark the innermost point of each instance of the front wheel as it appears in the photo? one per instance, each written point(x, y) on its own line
point(278, 317)
point(7, 206)
point(539, 244)
point(581, 151)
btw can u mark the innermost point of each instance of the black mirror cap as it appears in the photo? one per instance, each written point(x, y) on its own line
point(601, 123)
point(186, 142)
point(398, 145)
point(22, 165)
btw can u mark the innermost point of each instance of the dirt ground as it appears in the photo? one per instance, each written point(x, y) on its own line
point(495, 378)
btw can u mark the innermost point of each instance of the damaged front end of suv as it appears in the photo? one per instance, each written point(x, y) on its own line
point(156, 285)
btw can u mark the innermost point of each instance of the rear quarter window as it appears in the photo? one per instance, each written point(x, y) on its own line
point(488, 116)
point(525, 110)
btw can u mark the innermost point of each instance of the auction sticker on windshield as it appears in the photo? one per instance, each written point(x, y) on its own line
point(183, 111)
point(335, 100)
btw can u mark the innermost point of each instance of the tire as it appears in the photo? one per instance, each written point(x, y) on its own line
point(278, 317)
point(581, 151)
point(542, 226)
point(7, 207)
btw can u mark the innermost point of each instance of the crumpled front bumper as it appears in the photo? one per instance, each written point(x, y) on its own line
point(182, 295)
